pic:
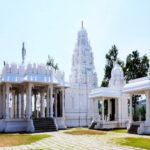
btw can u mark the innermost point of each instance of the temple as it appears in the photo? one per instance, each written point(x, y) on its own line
point(31, 96)
point(114, 103)
point(140, 86)
point(35, 97)
point(83, 78)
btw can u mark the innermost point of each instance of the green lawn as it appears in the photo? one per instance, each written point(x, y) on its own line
point(134, 142)
point(19, 139)
point(119, 130)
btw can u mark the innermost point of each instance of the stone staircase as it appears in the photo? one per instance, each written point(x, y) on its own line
point(133, 128)
point(44, 124)
point(92, 125)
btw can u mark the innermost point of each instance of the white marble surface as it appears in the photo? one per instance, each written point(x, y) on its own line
point(83, 78)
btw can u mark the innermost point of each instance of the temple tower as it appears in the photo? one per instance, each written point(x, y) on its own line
point(83, 78)
point(82, 72)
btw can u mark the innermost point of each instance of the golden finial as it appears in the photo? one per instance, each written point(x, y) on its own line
point(117, 61)
point(82, 23)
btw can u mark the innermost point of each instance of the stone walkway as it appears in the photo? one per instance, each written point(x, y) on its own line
point(61, 141)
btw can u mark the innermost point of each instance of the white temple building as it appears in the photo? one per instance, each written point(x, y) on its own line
point(83, 78)
point(140, 86)
point(35, 97)
point(114, 102)
point(31, 98)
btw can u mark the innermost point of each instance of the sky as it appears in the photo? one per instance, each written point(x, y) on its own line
point(49, 27)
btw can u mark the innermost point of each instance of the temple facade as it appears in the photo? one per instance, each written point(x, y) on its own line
point(83, 78)
point(31, 93)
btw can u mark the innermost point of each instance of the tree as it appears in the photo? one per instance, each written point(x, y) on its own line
point(111, 57)
point(136, 67)
point(51, 63)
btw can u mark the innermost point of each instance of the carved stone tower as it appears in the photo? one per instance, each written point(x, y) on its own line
point(82, 72)
point(83, 78)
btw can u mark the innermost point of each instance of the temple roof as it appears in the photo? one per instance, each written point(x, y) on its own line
point(36, 73)
point(105, 92)
point(137, 85)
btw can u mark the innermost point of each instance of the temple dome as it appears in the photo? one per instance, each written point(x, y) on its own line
point(117, 77)
point(117, 72)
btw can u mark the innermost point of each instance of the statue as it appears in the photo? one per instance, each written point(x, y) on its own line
point(23, 53)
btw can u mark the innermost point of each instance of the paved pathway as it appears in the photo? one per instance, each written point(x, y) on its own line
point(61, 141)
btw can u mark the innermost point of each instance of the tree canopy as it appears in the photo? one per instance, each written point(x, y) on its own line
point(50, 62)
point(111, 57)
point(136, 66)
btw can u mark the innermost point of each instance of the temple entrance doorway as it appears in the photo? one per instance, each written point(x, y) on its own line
point(112, 115)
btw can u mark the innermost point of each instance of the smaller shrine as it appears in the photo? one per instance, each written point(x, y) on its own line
point(114, 102)
point(140, 86)
point(32, 98)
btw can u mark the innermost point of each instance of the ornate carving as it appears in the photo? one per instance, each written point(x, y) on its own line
point(82, 72)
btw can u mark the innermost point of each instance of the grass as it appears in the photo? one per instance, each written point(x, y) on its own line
point(134, 142)
point(19, 139)
point(119, 130)
point(85, 132)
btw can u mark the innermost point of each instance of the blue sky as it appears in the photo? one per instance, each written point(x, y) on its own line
point(50, 27)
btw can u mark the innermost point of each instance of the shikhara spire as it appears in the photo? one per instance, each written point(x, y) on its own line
point(23, 53)
point(82, 72)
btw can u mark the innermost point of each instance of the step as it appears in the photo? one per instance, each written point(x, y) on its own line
point(44, 124)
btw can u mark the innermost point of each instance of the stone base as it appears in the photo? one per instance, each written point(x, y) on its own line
point(16, 125)
point(110, 125)
point(144, 128)
point(61, 123)
point(76, 120)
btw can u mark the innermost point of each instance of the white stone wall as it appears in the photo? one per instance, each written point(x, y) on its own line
point(123, 108)
point(79, 110)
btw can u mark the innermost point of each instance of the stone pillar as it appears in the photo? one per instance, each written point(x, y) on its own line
point(15, 106)
point(103, 110)
point(19, 115)
point(7, 101)
point(60, 99)
point(94, 102)
point(63, 102)
point(22, 104)
point(51, 101)
point(116, 109)
point(131, 115)
point(29, 101)
point(1, 102)
point(56, 104)
point(147, 106)
point(109, 109)
point(35, 101)
point(4, 102)
point(42, 104)
point(48, 102)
